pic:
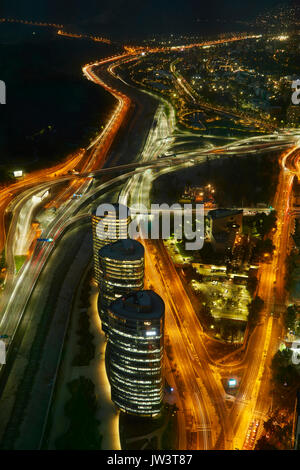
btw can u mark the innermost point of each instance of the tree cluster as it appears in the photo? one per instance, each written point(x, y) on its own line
point(83, 432)
point(284, 372)
point(277, 435)
point(255, 308)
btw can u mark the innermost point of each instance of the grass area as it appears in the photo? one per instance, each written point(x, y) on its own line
point(19, 261)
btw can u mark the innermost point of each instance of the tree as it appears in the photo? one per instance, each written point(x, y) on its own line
point(207, 316)
point(284, 372)
point(269, 425)
point(252, 284)
point(281, 359)
point(264, 444)
point(255, 308)
point(290, 317)
point(83, 432)
point(269, 222)
point(291, 264)
point(262, 248)
point(264, 223)
point(234, 329)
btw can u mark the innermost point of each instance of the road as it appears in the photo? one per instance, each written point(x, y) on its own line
point(253, 399)
point(254, 390)
point(70, 213)
point(207, 422)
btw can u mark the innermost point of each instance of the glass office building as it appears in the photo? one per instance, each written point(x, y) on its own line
point(135, 348)
point(107, 228)
point(121, 269)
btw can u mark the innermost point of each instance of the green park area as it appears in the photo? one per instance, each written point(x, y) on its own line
point(19, 261)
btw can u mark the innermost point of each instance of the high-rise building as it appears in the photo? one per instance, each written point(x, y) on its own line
point(107, 228)
point(121, 268)
point(135, 349)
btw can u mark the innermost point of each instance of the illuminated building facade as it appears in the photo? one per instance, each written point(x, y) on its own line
point(121, 268)
point(108, 228)
point(135, 348)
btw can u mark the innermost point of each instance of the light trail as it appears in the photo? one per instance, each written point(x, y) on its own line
point(207, 404)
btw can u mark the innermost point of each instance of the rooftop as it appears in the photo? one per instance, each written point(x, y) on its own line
point(140, 305)
point(120, 210)
point(123, 249)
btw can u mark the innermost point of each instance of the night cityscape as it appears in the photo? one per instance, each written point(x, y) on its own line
point(150, 228)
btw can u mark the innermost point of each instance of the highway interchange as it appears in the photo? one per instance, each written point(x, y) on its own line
point(125, 172)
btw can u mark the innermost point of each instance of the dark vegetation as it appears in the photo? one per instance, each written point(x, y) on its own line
point(290, 319)
point(285, 373)
point(252, 283)
point(83, 432)
point(260, 228)
point(255, 309)
point(85, 342)
point(86, 347)
point(277, 433)
point(229, 330)
point(260, 224)
point(291, 265)
point(238, 181)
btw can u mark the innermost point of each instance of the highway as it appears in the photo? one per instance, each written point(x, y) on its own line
point(253, 401)
point(67, 216)
point(205, 422)
point(137, 191)
point(265, 340)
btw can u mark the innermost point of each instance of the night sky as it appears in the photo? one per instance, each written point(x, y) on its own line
point(136, 15)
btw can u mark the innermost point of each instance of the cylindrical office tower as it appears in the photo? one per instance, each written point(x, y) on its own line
point(121, 268)
point(135, 348)
point(109, 223)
